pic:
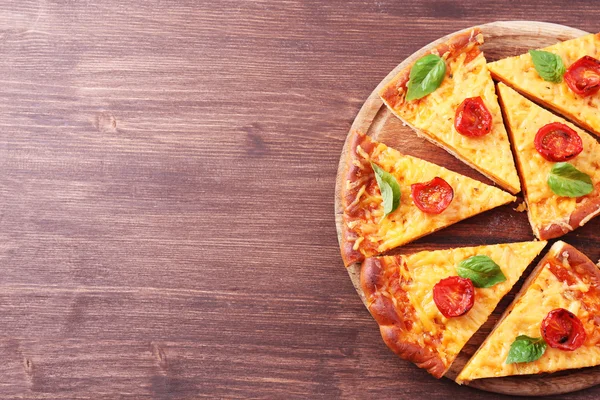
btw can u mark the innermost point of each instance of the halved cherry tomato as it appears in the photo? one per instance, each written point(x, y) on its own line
point(454, 296)
point(557, 142)
point(583, 76)
point(562, 330)
point(432, 197)
point(473, 118)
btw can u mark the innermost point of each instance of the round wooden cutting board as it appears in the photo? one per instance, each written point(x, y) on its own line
point(501, 225)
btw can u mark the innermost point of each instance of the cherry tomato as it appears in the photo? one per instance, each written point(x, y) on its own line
point(454, 296)
point(432, 197)
point(561, 329)
point(583, 76)
point(473, 118)
point(557, 142)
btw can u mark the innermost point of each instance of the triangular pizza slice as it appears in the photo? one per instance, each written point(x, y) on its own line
point(553, 324)
point(430, 303)
point(413, 198)
point(559, 166)
point(462, 115)
point(570, 86)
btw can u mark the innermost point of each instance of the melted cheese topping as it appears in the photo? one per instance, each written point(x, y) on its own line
point(520, 73)
point(434, 117)
point(544, 295)
point(427, 268)
point(408, 222)
point(525, 119)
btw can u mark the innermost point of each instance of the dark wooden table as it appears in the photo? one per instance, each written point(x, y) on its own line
point(166, 196)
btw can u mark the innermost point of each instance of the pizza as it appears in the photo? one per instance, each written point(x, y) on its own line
point(572, 72)
point(430, 303)
point(553, 324)
point(462, 115)
point(427, 198)
point(545, 145)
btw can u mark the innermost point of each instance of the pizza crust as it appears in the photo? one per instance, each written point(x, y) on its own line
point(373, 278)
point(582, 214)
point(349, 253)
point(578, 261)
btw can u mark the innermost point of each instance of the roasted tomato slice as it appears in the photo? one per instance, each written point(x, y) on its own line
point(473, 118)
point(583, 76)
point(432, 197)
point(454, 296)
point(562, 330)
point(557, 142)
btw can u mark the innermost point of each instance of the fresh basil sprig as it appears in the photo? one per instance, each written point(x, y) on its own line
point(548, 65)
point(567, 181)
point(426, 75)
point(481, 270)
point(526, 349)
point(389, 188)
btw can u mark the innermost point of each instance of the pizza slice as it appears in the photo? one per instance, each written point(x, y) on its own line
point(553, 324)
point(430, 303)
point(564, 77)
point(390, 199)
point(462, 115)
point(558, 163)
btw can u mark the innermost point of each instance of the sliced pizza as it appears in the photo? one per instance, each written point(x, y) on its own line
point(462, 115)
point(564, 77)
point(553, 324)
point(390, 199)
point(558, 163)
point(430, 303)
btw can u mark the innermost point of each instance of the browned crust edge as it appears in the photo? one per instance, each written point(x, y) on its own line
point(393, 93)
point(349, 255)
point(374, 276)
point(582, 214)
point(580, 264)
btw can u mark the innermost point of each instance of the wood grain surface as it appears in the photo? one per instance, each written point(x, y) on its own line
point(166, 196)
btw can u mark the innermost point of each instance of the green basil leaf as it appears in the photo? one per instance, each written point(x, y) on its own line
point(481, 270)
point(548, 65)
point(389, 188)
point(425, 76)
point(566, 180)
point(525, 349)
